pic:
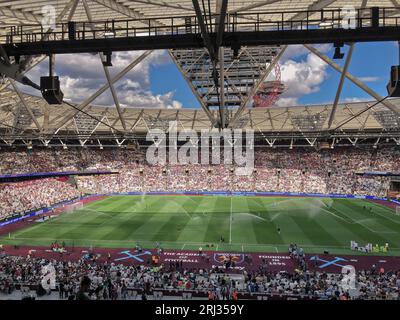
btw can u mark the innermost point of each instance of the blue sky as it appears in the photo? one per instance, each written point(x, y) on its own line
point(167, 78)
point(371, 63)
point(156, 82)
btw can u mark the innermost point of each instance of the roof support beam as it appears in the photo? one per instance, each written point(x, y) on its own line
point(340, 86)
point(20, 96)
point(194, 91)
point(137, 119)
point(317, 5)
point(222, 113)
point(72, 4)
point(20, 15)
point(353, 79)
point(26, 106)
point(33, 63)
point(253, 6)
point(89, 100)
point(114, 5)
point(107, 72)
point(221, 8)
point(343, 77)
point(164, 4)
point(203, 29)
point(244, 105)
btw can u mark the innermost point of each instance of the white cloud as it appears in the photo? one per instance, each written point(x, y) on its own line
point(355, 99)
point(82, 75)
point(298, 51)
point(287, 102)
point(369, 79)
point(301, 78)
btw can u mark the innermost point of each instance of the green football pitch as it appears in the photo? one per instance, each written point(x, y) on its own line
point(246, 224)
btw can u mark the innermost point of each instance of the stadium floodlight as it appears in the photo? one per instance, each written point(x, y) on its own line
point(109, 34)
point(325, 23)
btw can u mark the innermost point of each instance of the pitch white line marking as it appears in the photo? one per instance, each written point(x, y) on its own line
point(129, 242)
point(355, 221)
point(386, 217)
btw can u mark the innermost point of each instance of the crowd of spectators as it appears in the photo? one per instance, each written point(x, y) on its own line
point(26, 196)
point(301, 170)
point(111, 281)
point(276, 170)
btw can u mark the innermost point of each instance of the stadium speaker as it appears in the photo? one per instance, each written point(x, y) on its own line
point(338, 54)
point(393, 87)
point(375, 17)
point(71, 30)
point(50, 88)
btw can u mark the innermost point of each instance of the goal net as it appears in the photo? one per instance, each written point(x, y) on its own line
point(398, 210)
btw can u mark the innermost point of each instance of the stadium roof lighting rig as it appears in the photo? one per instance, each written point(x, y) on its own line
point(226, 52)
point(309, 122)
point(388, 119)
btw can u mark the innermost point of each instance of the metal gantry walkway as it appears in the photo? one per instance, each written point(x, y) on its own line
point(177, 32)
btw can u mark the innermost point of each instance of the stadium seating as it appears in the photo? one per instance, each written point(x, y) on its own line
point(302, 170)
point(111, 281)
point(281, 170)
point(27, 196)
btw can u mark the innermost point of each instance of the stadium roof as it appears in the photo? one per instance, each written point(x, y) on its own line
point(27, 116)
point(274, 119)
point(30, 11)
